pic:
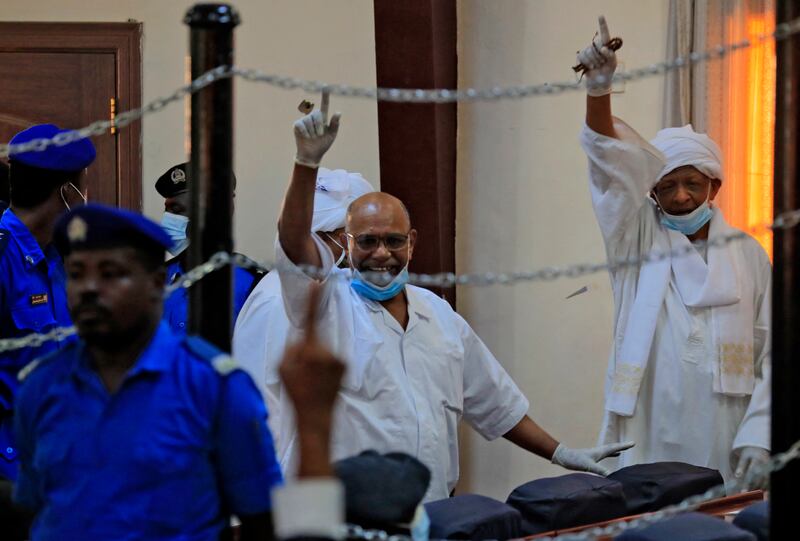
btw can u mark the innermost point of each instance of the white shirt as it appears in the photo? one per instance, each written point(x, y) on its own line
point(404, 390)
point(678, 417)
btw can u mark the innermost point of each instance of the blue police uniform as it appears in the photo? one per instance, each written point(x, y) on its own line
point(32, 282)
point(179, 446)
point(176, 306)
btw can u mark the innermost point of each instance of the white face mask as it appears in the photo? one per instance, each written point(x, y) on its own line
point(176, 225)
point(64, 199)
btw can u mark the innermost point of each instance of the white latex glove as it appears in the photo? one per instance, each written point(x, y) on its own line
point(750, 459)
point(587, 459)
point(600, 62)
point(313, 135)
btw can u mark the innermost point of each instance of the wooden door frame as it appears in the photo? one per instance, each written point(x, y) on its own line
point(124, 41)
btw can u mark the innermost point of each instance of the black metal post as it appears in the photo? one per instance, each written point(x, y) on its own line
point(211, 170)
point(786, 279)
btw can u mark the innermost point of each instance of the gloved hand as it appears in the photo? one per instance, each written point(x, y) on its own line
point(313, 135)
point(750, 459)
point(587, 459)
point(600, 62)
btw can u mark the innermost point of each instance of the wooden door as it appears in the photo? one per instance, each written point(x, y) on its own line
point(72, 74)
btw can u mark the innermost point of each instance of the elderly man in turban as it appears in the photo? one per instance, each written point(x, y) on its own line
point(262, 328)
point(689, 372)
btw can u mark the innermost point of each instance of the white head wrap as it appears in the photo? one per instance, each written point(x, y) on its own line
point(684, 146)
point(336, 189)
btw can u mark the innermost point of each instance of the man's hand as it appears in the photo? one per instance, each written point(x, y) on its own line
point(587, 459)
point(314, 135)
point(311, 375)
point(750, 460)
point(600, 62)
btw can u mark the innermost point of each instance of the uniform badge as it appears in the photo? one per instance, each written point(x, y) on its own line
point(41, 298)
point(77, 229)
point(177, 176)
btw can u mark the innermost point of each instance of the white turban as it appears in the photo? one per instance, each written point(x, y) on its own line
point(335, 191)
point(684, 146)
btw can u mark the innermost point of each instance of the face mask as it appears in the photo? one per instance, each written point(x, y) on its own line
point(688, 224)
point(175, 225)
point(367, 289)
point(341, 256)
point(421, 525)
point(64, 199)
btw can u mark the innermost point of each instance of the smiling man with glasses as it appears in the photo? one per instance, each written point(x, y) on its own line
point(414, 366)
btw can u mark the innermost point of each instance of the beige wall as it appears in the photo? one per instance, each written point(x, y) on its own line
point(315, 39)
point(522, 196)
point(523, 203)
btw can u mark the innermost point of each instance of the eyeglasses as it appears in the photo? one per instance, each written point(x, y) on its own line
point(392, 241)
point(695, 187)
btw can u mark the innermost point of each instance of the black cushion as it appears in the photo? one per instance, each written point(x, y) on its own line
point(689, 527)
point(649, 487)
point(382, 491)
point(570, 500)
point(470, 516)
point(755, 519)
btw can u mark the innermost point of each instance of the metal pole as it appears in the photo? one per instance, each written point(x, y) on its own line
point(786, 278)
point(211, 169)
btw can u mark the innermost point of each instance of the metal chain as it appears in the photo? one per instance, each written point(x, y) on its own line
point(35, 340)
point(774, 464)
point(410, 95)
point(122, 120)
point(420, 95)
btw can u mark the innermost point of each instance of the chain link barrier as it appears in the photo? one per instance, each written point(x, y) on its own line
point(775, 464)
point(406, 95)
point(784, 221)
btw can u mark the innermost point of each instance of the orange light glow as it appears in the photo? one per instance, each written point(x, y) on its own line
point(747, 196)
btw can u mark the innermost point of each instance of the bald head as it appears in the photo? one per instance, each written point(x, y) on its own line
point(377, 209)
point(383, 219)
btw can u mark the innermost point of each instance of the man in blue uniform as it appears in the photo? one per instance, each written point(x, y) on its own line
point(173, 186)
point(32, 295)
point(135, 431)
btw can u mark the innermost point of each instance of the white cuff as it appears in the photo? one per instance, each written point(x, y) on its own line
point(309, 508)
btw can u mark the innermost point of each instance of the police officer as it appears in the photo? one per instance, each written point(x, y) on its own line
point(173, 186)
point(32, 296)
point(134, 430)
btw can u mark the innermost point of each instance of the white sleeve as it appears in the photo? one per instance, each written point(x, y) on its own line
point(295, 282)
point(493, 404)
point(309, 508)
point(754, 430)
point(621, 173)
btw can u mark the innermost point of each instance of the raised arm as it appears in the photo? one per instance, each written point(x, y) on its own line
point(600, 62)
point(313, 137)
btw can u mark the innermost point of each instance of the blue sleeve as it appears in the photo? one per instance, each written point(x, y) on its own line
point(248, 467)
point(27, 489)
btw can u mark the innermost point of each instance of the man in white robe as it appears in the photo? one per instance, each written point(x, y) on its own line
point(262, 328)
point(415, 368)
point(689, 373)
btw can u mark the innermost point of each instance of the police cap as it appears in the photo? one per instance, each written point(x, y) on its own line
point(96, 226)
point(71, 157)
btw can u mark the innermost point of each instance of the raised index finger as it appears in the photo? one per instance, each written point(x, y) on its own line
point(605, 37)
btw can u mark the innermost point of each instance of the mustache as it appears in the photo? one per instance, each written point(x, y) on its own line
point(90, 307)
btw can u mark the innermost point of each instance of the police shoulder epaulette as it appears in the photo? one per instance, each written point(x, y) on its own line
point(223, 363)
point(5, 236)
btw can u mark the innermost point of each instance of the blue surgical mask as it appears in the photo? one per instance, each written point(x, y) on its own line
point(421, 525)
point(175, 225)
point(374, 292)
point(688, 224)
